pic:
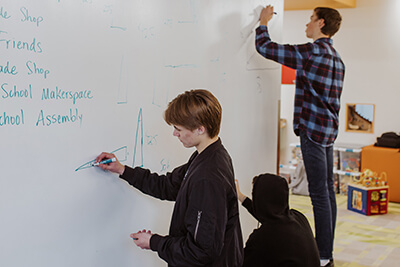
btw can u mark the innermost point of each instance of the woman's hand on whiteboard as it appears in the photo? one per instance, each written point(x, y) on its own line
point(142, 239)
point(113, 166)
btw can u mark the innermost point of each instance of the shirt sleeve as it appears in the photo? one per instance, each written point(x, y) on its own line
point(205, 221)
point(292, 56)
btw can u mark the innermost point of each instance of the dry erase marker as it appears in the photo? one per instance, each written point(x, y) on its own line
point(135, 238)
point(104, 162)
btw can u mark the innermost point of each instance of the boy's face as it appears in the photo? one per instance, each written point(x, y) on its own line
point(187, 137)
point(314, 26)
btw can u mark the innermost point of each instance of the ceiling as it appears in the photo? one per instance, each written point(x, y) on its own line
point(311, 4)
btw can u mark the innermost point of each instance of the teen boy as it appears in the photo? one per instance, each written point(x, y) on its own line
point(205, 228)
point(319, 83)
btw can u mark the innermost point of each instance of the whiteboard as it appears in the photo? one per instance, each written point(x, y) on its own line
point(79, 77)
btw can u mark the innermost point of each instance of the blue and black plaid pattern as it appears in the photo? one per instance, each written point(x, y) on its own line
point(319, 83)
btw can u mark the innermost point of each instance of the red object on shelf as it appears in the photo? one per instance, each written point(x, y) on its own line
point(288, 75)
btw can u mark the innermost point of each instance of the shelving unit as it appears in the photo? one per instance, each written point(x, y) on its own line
point(347, 164)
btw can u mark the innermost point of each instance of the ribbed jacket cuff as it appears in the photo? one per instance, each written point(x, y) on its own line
point(154, 241)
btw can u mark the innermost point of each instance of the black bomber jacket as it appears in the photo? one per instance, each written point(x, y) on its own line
point(205, 228)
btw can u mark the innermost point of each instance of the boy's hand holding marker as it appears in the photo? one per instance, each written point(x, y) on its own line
point(109, 162)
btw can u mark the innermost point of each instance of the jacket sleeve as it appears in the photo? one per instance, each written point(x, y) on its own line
point(205, 221)
point(164, 187)
point(248, 204)
point(292, 56)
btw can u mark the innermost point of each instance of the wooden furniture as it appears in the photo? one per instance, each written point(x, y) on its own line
point(311, 4)
point(381, 159)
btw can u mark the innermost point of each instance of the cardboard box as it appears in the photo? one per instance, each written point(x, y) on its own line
point(367, 200)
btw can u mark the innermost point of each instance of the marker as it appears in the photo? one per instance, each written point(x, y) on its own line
point(104, 162)
point(135, 238)
point(275, 13)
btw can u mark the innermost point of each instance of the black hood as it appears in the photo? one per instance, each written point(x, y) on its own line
point(271, 198)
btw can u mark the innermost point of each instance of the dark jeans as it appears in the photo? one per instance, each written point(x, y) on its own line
point(318, 162)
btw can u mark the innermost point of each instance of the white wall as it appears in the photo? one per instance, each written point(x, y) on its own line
point(368, 42)
point(134, 57)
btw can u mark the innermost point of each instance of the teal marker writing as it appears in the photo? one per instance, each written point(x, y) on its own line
point(104, 162)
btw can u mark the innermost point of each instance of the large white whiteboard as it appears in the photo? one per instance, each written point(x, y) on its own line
point(79, 77)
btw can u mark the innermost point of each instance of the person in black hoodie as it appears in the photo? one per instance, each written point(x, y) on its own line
point(285, 237)
point(205, 228)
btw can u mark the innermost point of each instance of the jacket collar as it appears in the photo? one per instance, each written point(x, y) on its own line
point(207, 151)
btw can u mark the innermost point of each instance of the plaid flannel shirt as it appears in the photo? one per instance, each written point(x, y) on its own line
point(319, 83)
